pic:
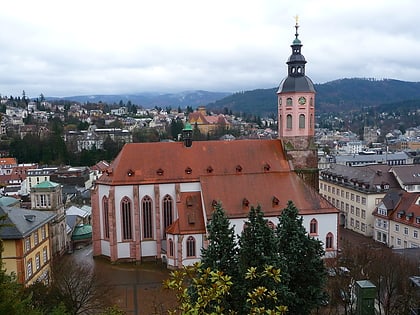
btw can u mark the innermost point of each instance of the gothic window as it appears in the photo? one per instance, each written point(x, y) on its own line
point(279, 101)
point(301, 121)
point(311, 102)
point(171, 248)
point(190, 246)
point(167, 213)
point(289, 101)
point(313, 227)
point(126, 218)
point(105, 216)
point(147, 217)
point(311, 122)
point(329, 241)
point(289, 121)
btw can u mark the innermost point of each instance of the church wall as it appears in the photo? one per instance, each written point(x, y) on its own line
point(105, 248)
point(199, 240)
point(120, 193)
point(123, 250)
point(148, 248)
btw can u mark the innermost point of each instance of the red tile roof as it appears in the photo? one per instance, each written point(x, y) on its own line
point(7, 161)
point(408, 209)
point(191, 220)
point(271, 191)
point(143, 163)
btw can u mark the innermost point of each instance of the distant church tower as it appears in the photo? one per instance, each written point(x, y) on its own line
point(296, 116)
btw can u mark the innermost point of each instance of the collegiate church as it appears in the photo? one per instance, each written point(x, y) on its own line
point(156, 199)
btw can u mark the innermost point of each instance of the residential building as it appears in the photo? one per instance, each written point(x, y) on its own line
point(27, 245)
point(356, 192)
point(155, 199)
point(38, 175)
point(6, 165)
point(408, 177)
point(387, 158)
point(207, 124)
point(47, 196)
point(397, 220)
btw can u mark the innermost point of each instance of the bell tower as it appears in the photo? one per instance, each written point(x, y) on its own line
point(296, 115)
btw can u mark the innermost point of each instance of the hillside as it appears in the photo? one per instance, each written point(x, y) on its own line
point(350, 94)
point(150, 100)
point(338, 95)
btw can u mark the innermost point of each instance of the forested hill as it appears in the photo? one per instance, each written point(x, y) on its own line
point(348, 94)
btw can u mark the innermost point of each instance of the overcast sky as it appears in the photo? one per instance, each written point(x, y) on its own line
point(83, 47)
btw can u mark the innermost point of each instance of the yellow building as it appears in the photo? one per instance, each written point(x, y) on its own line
point(356, 192)
point(207, 124)
point(27, 246)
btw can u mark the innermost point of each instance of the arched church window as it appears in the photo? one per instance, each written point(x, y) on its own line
point(289, 121)
point(311, 122)
point(311, 101)
point(289, 101)
point(329, 241)
point(147, 210)
point(313, 227)
point(105, 213)
point(171, 248)
point(126, 217)
point(167, 213)
point(190, 246)
point(301, 121)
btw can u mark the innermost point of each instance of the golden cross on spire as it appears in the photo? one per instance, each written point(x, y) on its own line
point(297, 19)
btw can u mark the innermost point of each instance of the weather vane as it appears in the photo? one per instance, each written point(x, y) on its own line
point(297, 19)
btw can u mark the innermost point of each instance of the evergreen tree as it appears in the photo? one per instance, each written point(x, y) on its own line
point(258, 249)
point(220, 253)
point(305, 273)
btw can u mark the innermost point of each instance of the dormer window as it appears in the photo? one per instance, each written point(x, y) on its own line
point(214, 204)
point(188, 170)
point(189, 201)
point(159, 172)
point(238, 169)
point(400, 214)
point(130, 172)
point(209, 170)
point(275, 201)
point(245, 203)
point(266, 167)
point(418, 220)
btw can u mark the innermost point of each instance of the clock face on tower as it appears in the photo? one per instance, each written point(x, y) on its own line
point(302, 100)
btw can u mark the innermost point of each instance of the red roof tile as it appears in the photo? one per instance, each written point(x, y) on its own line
point(191, 220)
point(142, 163)
point(271, 191)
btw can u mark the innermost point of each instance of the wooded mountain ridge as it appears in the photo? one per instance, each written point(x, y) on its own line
point(346, 94)
point(335, 96)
